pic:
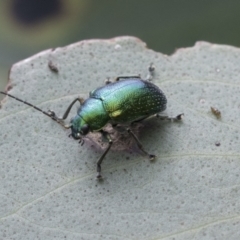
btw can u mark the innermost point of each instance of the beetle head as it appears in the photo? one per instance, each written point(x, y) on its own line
point(79, 127)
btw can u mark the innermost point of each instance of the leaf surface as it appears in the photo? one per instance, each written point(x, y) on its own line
point(47, 180)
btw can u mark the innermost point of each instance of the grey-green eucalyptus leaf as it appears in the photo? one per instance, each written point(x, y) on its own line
point(192, 191)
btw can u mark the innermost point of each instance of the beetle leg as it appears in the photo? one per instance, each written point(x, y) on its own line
point(99, 162)
point(127, 77)
point(150, 156)
point(151, 70)
point(149, 77)
point(107, 81)
point(65, 115)
point(177, 118)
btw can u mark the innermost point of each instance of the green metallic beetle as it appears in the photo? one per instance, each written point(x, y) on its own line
point(126, 101)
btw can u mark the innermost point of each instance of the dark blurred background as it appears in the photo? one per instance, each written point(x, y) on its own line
point(29, 26)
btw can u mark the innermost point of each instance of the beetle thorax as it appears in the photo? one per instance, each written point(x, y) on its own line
point(92, 113)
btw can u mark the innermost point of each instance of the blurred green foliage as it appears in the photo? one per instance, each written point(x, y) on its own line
point(163, 25)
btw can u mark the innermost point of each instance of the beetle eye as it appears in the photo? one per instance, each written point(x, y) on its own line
point(84, 129)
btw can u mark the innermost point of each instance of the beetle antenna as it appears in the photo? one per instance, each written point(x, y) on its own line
point(49, 114)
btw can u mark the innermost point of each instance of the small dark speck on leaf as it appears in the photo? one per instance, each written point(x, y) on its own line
point(216, 112)
point(52, 67)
